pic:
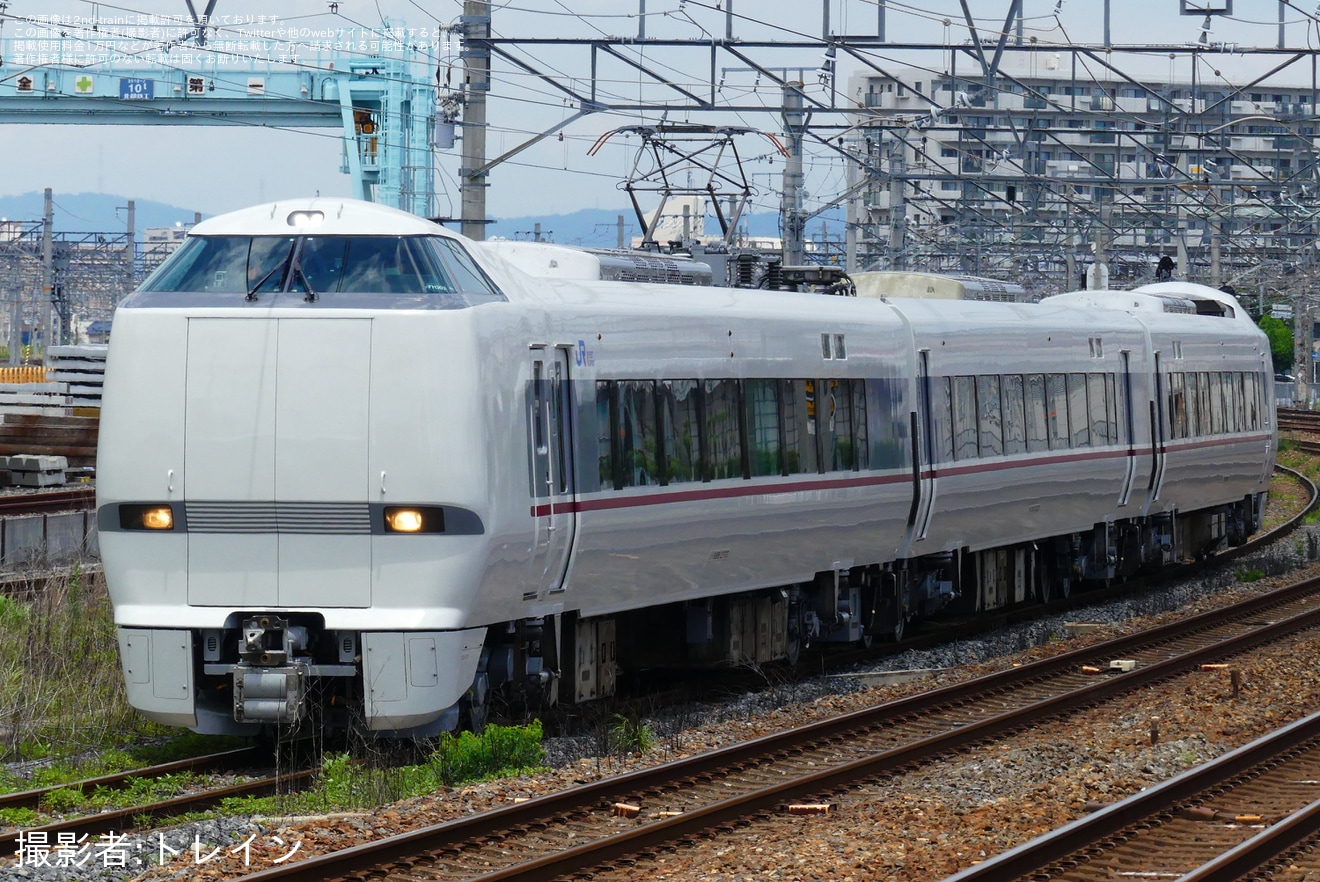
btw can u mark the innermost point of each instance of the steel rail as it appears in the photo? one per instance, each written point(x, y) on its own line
point(406, 847)
point(1270, 844)
point(229, 758)
point(119, 820)
point(1166, 796)
point(80, 499)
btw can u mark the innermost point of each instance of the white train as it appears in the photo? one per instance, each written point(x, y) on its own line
point(355, 470)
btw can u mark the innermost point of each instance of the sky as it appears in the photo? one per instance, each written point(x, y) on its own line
point(217, 169)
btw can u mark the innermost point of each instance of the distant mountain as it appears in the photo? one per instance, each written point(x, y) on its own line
point(93, 212)
point(598, 228)
point(104, 212)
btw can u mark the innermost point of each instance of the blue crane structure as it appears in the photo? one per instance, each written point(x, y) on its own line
point(376, 85)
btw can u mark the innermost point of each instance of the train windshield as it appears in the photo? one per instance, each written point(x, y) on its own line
point(419, 272)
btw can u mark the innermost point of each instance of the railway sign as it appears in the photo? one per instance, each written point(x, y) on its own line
point(136, 89)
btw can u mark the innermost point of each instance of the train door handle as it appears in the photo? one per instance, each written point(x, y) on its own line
point(382, 483)
point(169, 479)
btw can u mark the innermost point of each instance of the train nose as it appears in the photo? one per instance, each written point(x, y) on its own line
point(277, 462)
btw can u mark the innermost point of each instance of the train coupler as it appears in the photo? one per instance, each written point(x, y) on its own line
point(269, 694)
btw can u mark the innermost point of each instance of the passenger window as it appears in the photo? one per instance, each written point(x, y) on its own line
point(637, 436)
point(942, 405)
point(1056, 385)
point(1253, 401)
point(890, 444)
point(1177, 406)
point(680, 417)
point(800, 452)
point(990, 419)
point(836, 421)
point(1193, 397)
point(965, 445)
point(606, 429)
point(861, 439)
point(1216, 402)
point(723, 431)
point(1078, 430)
point(1095, 399)
point(1207, 407)
point(1038, 413)
point(762, 420)
point(1233, 400)
point(1111, 405)
point(1015, 415)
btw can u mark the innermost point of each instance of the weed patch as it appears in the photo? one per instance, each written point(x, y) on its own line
point(61, 689)
point(348, 783)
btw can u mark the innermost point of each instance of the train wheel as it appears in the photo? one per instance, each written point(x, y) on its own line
point(797, 637)
point(473, 715)
point(1043, 576)
point(474, 707)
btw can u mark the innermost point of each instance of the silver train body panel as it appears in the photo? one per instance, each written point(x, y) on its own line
point(277, 432)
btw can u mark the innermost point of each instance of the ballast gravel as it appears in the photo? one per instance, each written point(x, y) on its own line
point(915, 827)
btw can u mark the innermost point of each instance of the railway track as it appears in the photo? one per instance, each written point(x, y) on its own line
point(121, 819)
point(1240, 816)
point(613, 820)
point(1296, 420)
point(766, 775)
point(77, 499)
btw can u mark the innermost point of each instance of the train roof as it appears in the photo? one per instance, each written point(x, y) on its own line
point(549, 260)
point(936, 286)
point(1165, 297)
point(330, 216)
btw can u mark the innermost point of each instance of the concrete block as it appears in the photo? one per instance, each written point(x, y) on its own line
point(37, 479)
point(64, 536)
point(29, 462)
point(24, 539)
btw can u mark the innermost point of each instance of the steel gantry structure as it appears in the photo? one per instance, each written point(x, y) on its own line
point(1001, 149)
point(377, 86)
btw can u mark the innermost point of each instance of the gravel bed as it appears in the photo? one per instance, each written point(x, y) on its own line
point(918, 826)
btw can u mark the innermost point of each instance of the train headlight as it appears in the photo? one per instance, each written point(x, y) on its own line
point(305, 218)
point(160, 517)
point(405, 520)
point(146, 517)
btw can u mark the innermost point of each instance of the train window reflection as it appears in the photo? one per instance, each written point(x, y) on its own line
point(762, 420)
point(418, 271)
point(965, 443)
point(224, 265)
point(1038, 413)
point(370, 265)
point(464, 270)
point(1015, 415)
point(680, 418)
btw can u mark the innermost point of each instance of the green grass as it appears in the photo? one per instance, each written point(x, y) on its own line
point(630, 735)
point(1250, 575)
point(61, 689)
point(21, 817)
point(115, 760)
point(347, 783)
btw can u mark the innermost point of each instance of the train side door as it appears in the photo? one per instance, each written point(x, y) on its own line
point(1125, 381)
point(1157, 433)
point(554, 486)
point(923, 454)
